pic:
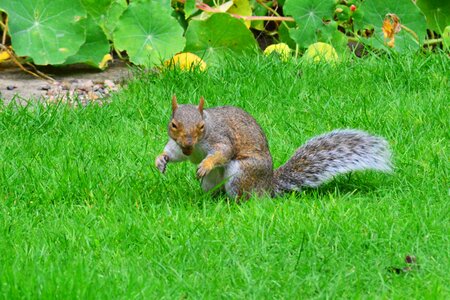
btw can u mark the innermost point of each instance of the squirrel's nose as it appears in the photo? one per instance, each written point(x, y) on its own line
point(189, 142)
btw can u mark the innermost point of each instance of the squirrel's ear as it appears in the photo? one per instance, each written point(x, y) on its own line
point(174, 103)
point(200, 105)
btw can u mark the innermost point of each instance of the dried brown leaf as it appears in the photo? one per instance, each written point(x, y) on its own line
point(391, 26)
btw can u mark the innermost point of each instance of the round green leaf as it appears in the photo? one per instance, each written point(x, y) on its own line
point(96, 8)
point(329, 33)
point(409, 14)
point(189, 8)
point(109, 22)
point(241, 8)
point(259, 10)
point(148, 33)
point(47, 31)
point(95, 47)
point(309, 15)
point(446, 38)
point(284, 37)
point(105, 13)
point(217, 35)
point(437, 13)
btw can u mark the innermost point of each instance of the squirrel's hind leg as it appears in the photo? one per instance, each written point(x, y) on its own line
point(214, 180)
point(248, 175)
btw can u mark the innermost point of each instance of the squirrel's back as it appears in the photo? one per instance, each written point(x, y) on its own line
point(240, 128)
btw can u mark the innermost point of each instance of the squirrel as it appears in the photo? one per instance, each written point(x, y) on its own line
point(233, 155)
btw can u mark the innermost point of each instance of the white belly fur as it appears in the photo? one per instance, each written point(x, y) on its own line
point(220, 176)
point(197, 155)
point(213, 179)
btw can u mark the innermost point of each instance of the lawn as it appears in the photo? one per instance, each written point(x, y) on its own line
point(85, 214)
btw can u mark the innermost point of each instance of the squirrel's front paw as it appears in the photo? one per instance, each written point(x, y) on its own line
point(204, 168)
point(161, 162)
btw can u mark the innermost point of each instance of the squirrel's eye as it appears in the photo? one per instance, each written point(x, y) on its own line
point(174, 126)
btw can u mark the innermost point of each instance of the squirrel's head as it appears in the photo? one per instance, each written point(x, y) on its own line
point(187, 126)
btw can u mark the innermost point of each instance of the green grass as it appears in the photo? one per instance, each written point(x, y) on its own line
point(84, 213)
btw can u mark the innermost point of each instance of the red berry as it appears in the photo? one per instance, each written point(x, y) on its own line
point(352, 7)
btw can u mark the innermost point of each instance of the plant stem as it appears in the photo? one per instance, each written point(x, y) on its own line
point(45, 76)
point(207, 8)
point(432, 41)
point(410, 32)
point(38, 74)
point(5, 30)
point(275, 13)
point(264, 18)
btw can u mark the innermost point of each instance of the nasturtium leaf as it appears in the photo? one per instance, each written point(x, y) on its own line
point(113, 14)
point(189, 8)
point(329, 33)
point(342, 12)
point(446, 38)
point(284, 37)
point(259, 10)
point(166, 3)
point(96, 8)
point(437, 13)
point(179, 16)
point(409, 15)
point(95, 47)
point(48, 31)
point(241, 8)
point(105, 13)
point(309, 15)
point(148, 33)
point(212, 38)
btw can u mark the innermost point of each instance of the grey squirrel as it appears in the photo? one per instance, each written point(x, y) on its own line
point(232, 152)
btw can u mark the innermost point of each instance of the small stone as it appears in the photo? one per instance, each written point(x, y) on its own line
point(111, 86)
point(109, 83)
point(410, 259)
point(92, 96)
point(65, 85)
point(97, 87)
point(11, 87)
point(101, 91)
point(86, 85)
point(45, 88)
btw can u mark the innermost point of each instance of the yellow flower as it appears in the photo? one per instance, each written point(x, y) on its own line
point(186, 61)
point(321, 52)
point(281, 49)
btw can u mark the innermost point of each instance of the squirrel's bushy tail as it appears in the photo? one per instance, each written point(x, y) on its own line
point(331, 154)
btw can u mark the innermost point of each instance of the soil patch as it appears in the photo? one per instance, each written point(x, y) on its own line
point(74, 84)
